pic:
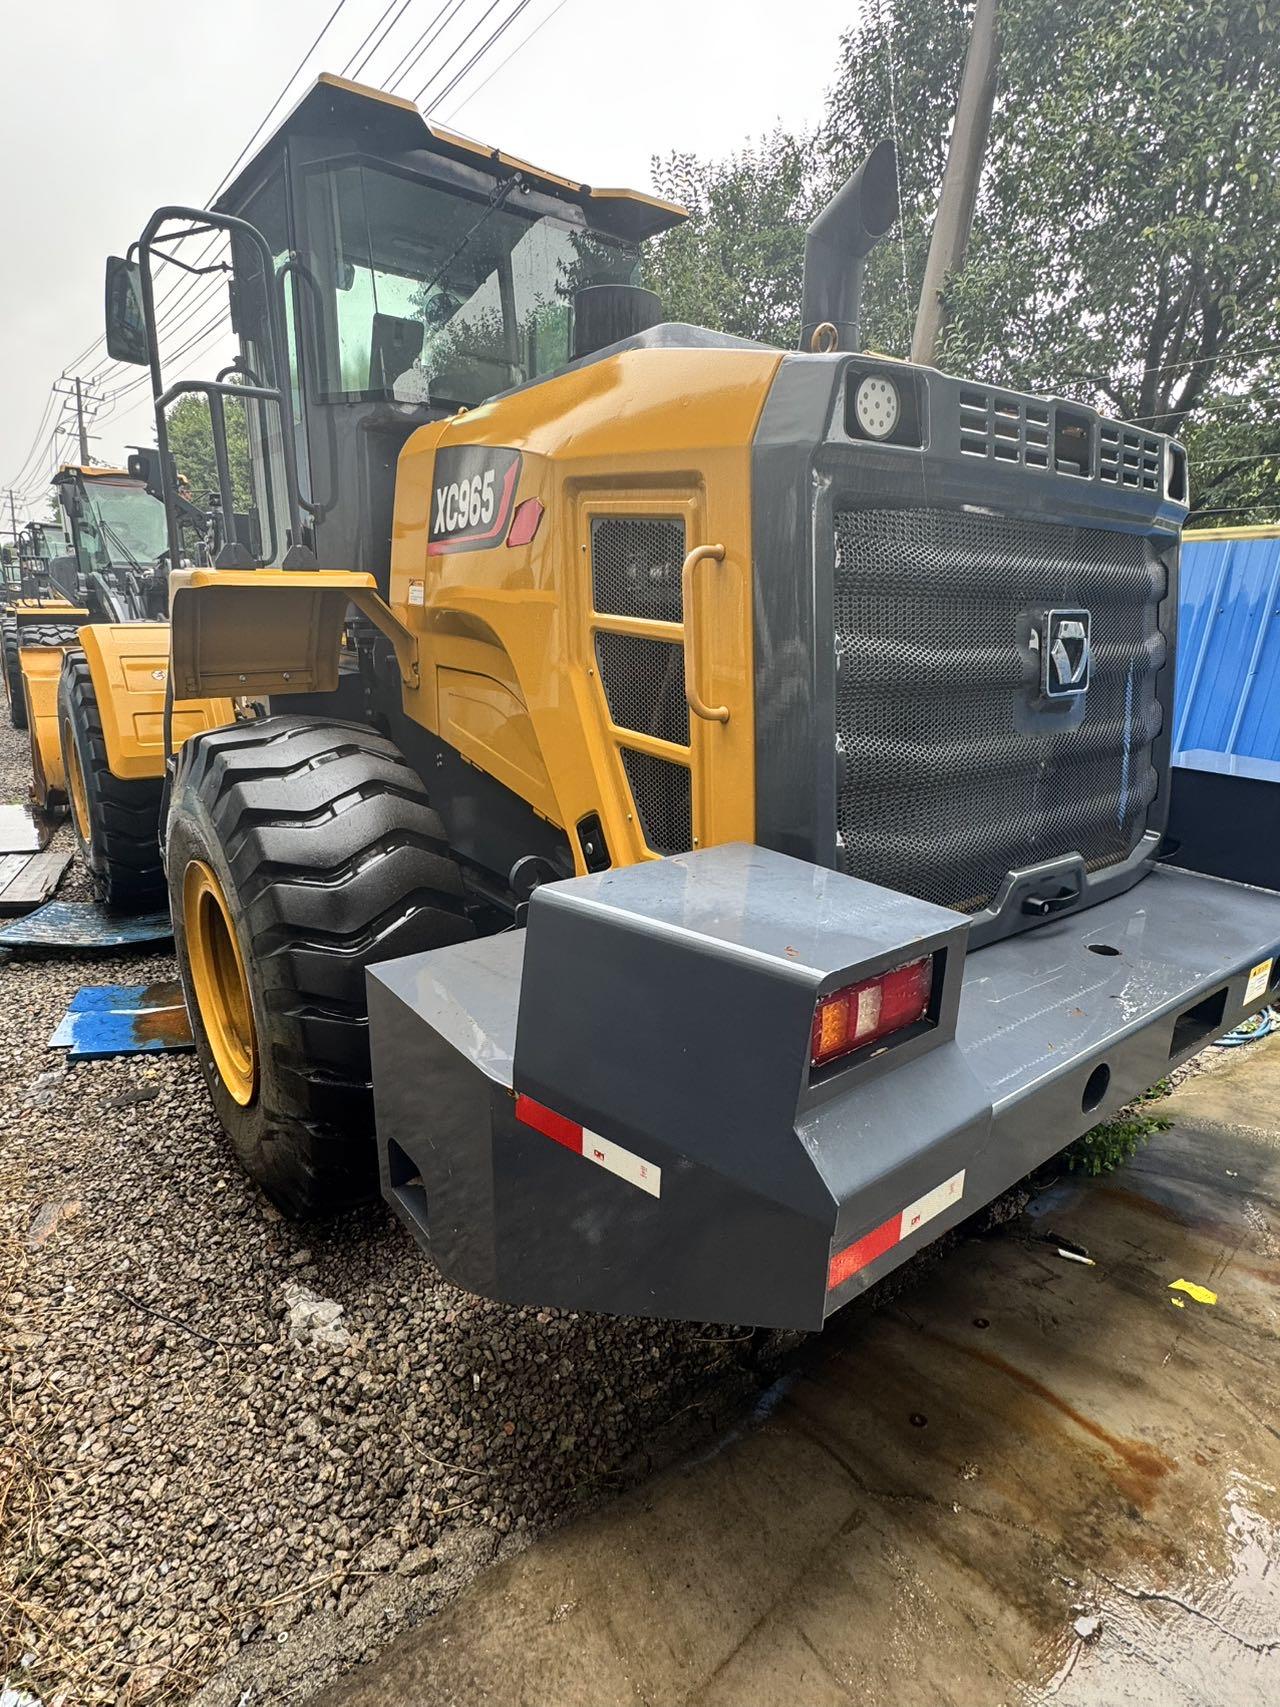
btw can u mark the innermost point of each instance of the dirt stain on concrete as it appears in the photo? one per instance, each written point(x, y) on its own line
point(1147, 1465)
point(949, 1491)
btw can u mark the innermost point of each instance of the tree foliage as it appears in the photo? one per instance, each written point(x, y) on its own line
point(191, 442)
point(736, 264)
point(1125, 245)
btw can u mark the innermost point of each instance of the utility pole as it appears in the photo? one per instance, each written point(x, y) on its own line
point(954, 220)
point(13, 525)
point(84, 438)
point(86, 402)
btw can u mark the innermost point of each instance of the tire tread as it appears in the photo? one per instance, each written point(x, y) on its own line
point(333, 861)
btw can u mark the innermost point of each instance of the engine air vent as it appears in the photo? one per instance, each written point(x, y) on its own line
point(664, 805)
point(643, 683)
point(1003, 427)
point(635, 566)
point(1128, 458)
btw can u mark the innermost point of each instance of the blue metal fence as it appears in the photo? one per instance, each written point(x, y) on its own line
point(1228, 680)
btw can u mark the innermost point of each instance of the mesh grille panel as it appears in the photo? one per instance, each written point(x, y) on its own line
point(950, 776)
point(635, 566)
point(661, 792)
point(644, 685)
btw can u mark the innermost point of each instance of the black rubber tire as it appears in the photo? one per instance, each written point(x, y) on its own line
point(13, 671)
point(330, 860)
point(32, 634)
point(122, 849)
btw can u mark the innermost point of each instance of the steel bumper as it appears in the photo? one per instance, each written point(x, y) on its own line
point(613, 1109)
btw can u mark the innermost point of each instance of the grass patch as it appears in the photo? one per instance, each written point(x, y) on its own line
point(1112, 1143)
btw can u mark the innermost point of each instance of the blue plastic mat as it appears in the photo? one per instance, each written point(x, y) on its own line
point(84, 925)
point(123, 1019)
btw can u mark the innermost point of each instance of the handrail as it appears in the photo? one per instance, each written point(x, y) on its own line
point(698, 705)
point(273, 338)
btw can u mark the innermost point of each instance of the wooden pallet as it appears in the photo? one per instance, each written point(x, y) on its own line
point(28, 879)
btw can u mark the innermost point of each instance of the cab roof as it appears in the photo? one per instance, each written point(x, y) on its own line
point(354, 108)
point(71, 468)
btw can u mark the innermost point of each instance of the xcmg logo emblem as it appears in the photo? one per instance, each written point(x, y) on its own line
point(1065, 654)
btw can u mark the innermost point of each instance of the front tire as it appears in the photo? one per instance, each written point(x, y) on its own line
point(299, 852)
point(116, 819)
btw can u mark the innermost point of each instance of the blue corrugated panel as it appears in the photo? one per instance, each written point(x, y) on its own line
point(1228, 684)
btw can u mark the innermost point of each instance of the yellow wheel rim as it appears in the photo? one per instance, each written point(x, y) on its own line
point(221, 988)
point(75, 785)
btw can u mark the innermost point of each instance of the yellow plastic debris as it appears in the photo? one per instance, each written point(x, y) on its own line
point(1201, 1294)
point(1178, 1303)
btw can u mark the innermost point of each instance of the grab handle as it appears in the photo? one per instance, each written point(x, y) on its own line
point(698, 705)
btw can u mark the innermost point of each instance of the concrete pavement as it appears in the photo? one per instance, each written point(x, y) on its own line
point(946, 1493)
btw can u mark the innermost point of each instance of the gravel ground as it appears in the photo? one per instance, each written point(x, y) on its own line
point(216, 1490)
point(197, 1484)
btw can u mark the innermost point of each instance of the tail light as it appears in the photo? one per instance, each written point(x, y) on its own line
point(863, 1013)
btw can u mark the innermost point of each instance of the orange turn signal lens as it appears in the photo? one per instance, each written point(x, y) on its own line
point(863, 1013)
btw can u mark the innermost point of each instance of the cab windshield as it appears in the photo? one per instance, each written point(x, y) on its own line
point(49, 541)
point(122, 525)
point(429, 296)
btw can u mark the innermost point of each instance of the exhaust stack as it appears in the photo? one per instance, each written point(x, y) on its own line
point(838, 243)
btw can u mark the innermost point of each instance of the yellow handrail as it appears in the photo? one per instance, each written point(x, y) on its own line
point(699, 706)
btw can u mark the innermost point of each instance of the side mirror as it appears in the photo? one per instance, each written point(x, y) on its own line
point(126, 326)
point(144, 465)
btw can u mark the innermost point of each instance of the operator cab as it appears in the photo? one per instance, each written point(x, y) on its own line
point(116, 537)
point(417, 273)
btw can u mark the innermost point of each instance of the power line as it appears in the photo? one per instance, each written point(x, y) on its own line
point(44, 421)
point(1243, 456)
point(231, 170)
point(1270, 509)
point(182, 301)
point(1169, 367)
point(479, 54)
point(419, 47)
point(404, 7)
point(1232, 404)
point(502, 64)
point(203, 295)
point(455, 51)
point(181, 290)
point(215, 323)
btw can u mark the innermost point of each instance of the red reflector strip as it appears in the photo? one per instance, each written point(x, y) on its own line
point(549, 1123)
point(625, 1164)
point(889, 1233)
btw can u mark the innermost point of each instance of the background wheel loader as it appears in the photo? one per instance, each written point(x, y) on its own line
point(733, 844)
point(41, 616)
point(86, 659)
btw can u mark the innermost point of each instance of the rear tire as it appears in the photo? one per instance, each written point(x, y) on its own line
point(13, 672)
point(29, 634)
point(116, 819)
point(299, 852)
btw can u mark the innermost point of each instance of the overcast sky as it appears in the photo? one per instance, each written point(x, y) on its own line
point(109, 108)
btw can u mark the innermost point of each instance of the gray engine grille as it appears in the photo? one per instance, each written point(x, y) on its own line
point(951, 775)
point(635, 566)
point(662, 792)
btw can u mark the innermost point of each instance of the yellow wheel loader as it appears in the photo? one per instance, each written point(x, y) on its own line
point(86, 659)
point(709, 827)
point(42, 617)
